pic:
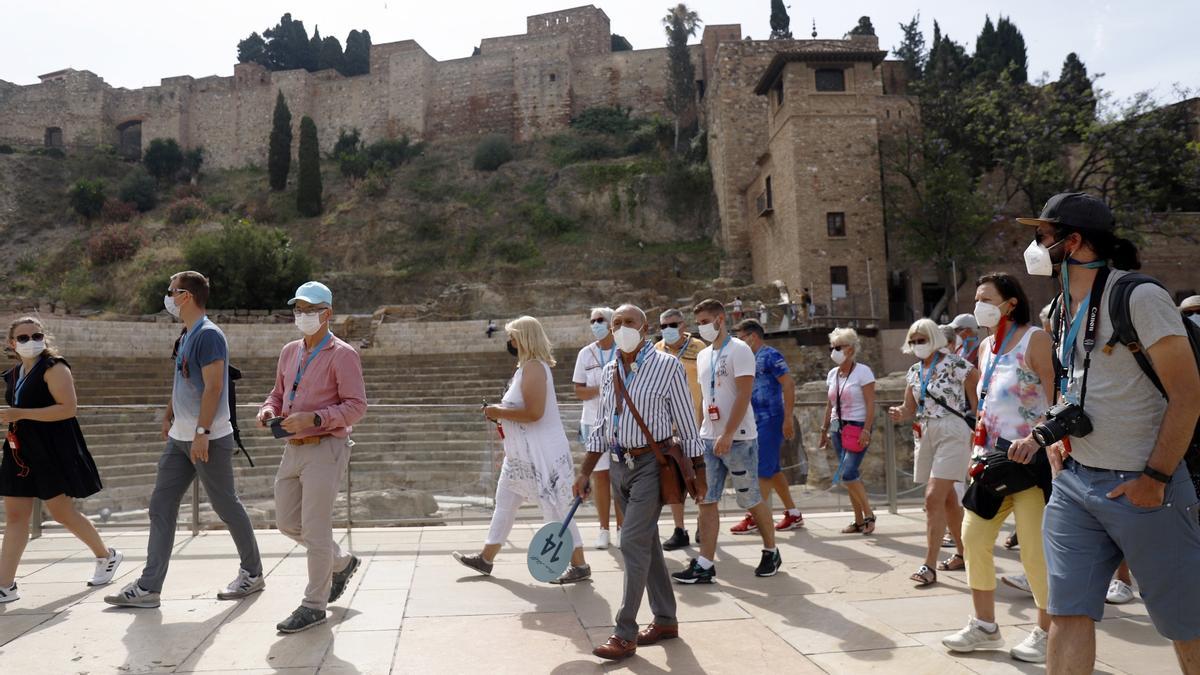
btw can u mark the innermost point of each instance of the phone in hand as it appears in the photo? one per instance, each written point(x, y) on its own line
point(277, 430)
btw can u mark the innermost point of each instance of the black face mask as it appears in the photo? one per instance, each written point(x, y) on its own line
point(512, 349)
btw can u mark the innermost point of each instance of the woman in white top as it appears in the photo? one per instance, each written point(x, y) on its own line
point(939, 395)
point(537, 455)
point(588, 367)
point(849, 418)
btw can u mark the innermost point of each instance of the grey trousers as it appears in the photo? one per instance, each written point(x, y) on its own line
point(175, 473)
point(637, 493)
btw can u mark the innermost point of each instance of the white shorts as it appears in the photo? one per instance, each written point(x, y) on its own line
point(943, 451)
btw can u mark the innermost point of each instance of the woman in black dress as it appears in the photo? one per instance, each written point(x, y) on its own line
point(45, 456)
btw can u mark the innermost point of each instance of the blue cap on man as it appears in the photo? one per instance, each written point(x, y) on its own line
point(314, 293)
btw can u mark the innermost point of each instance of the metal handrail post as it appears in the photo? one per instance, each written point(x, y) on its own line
point(889, 451)
point(35, 525)
point(195, 507)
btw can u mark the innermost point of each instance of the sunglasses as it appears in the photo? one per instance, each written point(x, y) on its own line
point(838, 348)
point(665, 326)
point(309, 311)
point(600, 320)
point(176, 291)
point(918, 341)
point(36, 337)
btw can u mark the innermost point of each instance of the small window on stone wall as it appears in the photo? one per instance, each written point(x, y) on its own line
point(553, 77)
point(831, 79)
point(53, 137)
point(835, 224)
point(839, 281)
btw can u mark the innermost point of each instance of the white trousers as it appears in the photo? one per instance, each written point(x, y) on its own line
point(505, 514)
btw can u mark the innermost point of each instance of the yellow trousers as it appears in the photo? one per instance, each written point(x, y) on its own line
point(979, 543)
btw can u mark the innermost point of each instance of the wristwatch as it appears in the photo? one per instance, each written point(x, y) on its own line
point(1156, 474)
point(316, 420)
point(202, 431)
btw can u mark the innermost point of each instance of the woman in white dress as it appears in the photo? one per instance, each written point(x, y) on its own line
point(537, 456)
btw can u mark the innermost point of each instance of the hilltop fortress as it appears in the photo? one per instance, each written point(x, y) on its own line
point(794, 126)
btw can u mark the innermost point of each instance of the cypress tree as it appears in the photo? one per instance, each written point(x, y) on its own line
point(780, 21)
point(331, 55)
point(279, 151)
point(308, 189)
point(357, 59)
point(912, 49)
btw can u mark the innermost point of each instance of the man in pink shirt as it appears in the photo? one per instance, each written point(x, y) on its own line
point(319, 394)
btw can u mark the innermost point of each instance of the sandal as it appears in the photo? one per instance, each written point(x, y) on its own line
point(953, 563)
point(868, 525)
point(853, 528)
point(1011, 541)
point(924, 576)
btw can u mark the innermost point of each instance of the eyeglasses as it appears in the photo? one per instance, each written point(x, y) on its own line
point(175, 291)
point(599, 320)
point(665, 326)
point(36, 337)
point(918, 341)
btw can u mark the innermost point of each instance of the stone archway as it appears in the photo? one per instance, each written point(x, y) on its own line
point(129, 140)
point(53, 137)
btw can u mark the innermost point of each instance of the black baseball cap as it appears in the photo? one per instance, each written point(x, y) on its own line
point(1075, 209)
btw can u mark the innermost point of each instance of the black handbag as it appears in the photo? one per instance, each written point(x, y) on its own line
point(1002, 476)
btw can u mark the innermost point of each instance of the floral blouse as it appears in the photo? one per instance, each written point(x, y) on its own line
point(946, 382)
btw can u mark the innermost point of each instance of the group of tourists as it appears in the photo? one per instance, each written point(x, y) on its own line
point(1097, 477)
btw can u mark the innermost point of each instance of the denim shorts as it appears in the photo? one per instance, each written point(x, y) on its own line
point(741, 465)
point(770, 442)
point(849, 461)
point(1086, 536)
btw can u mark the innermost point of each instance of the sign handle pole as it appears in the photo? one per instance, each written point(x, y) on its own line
point(570, 515)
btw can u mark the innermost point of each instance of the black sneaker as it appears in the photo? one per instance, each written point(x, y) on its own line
point(771, 562)
point(678, 540)
point(301, 619)
point(340, 579)
point(695, 574)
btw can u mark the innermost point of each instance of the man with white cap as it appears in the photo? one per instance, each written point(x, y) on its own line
point(1190, 309)
point(967, 329)
point(319, 394)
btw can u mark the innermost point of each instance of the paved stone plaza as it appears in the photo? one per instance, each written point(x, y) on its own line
point(842, 604)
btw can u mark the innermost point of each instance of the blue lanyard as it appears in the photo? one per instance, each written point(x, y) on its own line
point(926, 376)
point(21, 383)
point(682, 350)
point(603, 358)
point(186, 339)
point(626, 382)
point(301, 368)
point(1067, 355)
point(987, 376)
point(712, 367)
point(967, 345)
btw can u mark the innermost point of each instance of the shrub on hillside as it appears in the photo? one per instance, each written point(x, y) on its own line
point(653, 134)
point(605, 120)
point(87, 197)
point(573, 148)
point(249, 266)
point(55, 153)
point(140, 189)
point(348, 143)
point(117, 211)
point(493, 152)
point(394, 152)
point(187, 190)
point(517, 251)
point(186, 210)
point(163, 158)
point(354, 165)
point(114, 243)
point(376, 183)
point(6, 149)
point(192, 160)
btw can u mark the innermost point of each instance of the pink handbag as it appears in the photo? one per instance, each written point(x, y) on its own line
point(852, 438)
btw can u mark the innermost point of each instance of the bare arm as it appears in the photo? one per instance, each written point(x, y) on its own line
point(533, 391)
point(1176, 369)
point(586, 393)
point(868, 391)
point(214, 388)
point(62, 388)
point(789, 393)
point(971, 385)
point(905, 410)
point(745, 386)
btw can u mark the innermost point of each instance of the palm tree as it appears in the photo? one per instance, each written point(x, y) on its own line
point(680, 24)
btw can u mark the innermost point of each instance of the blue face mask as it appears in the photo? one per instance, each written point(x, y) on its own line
point(600, 330)
point(670, 335)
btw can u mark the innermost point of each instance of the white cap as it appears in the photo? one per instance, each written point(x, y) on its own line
point(1190, 303)
point(964, 321)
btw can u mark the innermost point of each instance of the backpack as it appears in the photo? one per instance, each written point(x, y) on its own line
point(235, 374)
point(1125, 333)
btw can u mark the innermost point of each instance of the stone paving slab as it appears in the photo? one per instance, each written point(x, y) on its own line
point(841, 604)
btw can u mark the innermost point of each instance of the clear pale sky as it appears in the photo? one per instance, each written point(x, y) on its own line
point(135, 43)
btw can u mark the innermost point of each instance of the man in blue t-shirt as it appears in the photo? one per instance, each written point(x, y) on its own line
point(773, 399)
point(199, 436)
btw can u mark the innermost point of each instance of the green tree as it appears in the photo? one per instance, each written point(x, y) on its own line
point(312, 61)
point(163, 158)
point(999, 47)
point(288, 46)
point(253, 49)
point(279, 150)
point(780, 21)
point(864, 27)
point(87, 197)
point(140, 189)
point(357, 59)
point(249, 267)
point(912, 49)
point(492, 152)
point(308, 184)
point(620, 44)
point(331, 55)
point(1074, 98)
point(680, 23)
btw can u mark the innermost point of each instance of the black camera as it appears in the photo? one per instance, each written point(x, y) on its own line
point(1064, 419)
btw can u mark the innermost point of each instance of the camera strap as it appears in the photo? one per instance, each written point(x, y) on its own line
point(1088, 317)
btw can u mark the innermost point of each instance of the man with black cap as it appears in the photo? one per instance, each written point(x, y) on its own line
point(319, 393)
point(1121, 489)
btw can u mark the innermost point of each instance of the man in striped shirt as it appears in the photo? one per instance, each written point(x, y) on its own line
point(658, 386)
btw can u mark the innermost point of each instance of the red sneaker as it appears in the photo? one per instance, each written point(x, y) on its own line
point(790, 522)
point(747, 526)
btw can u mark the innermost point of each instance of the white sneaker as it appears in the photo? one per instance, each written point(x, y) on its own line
point(9, 594)
point(1032, 649)
point(973, 637)
point(603, 540)
point(106, 568)
point(1119, 593)
point(1017, 581)
point(245, 584)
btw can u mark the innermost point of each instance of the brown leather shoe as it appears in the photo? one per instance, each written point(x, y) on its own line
point(655, 633)
point(615, 648)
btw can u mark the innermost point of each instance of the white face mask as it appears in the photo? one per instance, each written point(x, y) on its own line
point(600, 330)
point(922, 351)
point(170, 306)
point(838, 355)
point(628, 339)
point(709, 331)
point(28, 350)
point(1037, 259)
point(987, 314)
point(308, 323)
